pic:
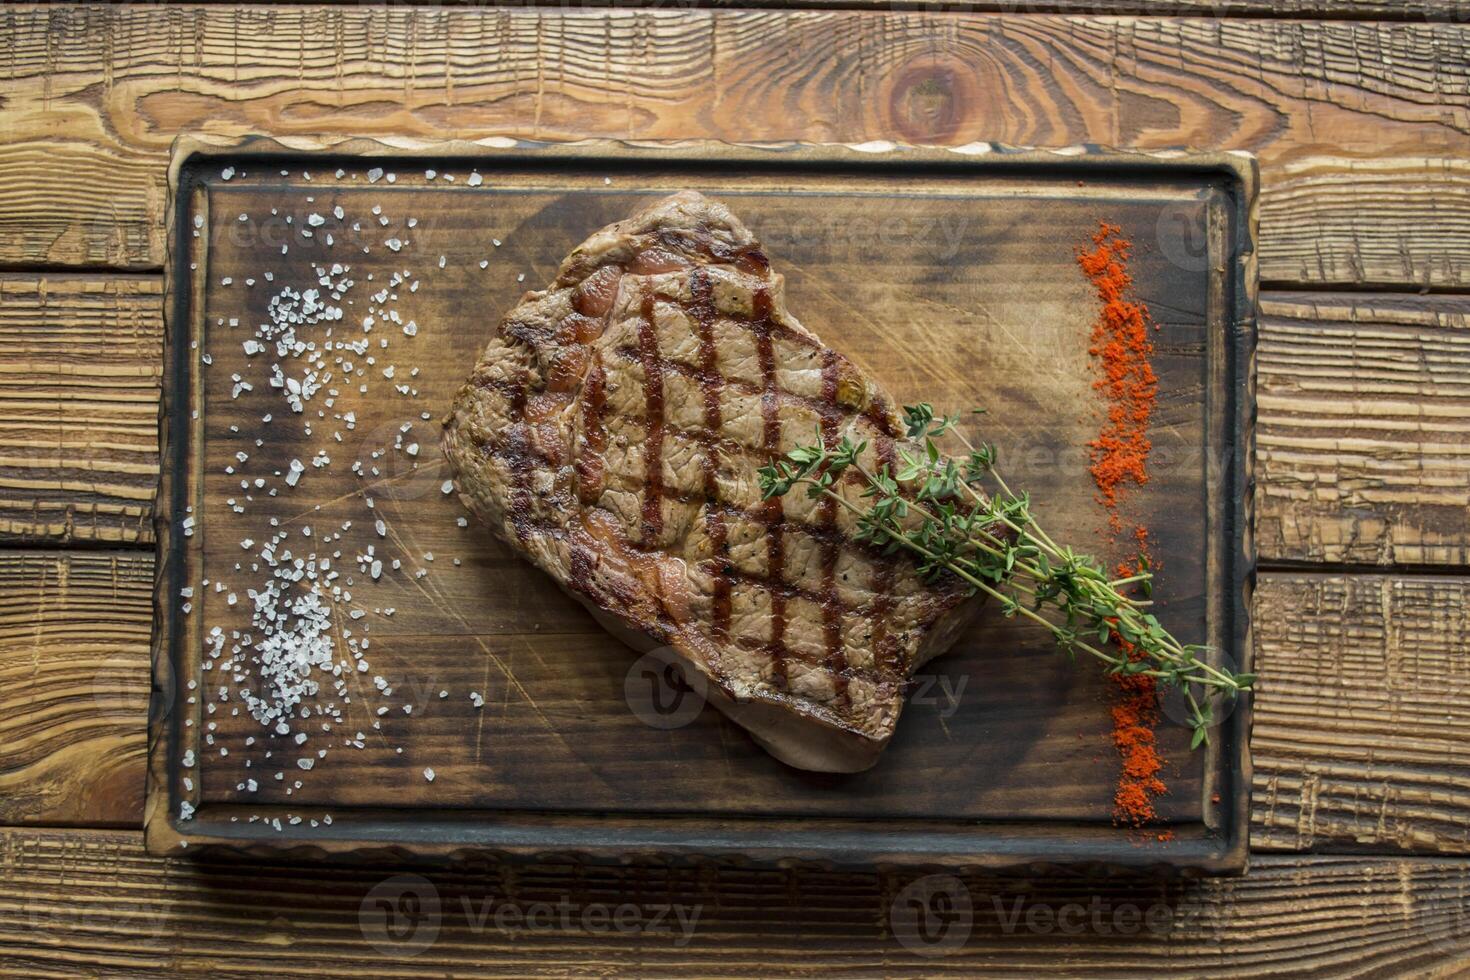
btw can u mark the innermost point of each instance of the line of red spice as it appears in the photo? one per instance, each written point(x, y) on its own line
point(1122, 348)
point(1135, 718)
point(1121, 345)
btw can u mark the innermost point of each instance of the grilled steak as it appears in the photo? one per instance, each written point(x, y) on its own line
point(611, 433)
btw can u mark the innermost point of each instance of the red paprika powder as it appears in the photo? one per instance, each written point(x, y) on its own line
point(1122, 348)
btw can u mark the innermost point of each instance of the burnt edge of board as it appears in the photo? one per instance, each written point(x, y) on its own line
point(365, 835)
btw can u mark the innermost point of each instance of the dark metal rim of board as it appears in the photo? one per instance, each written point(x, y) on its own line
point(992, 847)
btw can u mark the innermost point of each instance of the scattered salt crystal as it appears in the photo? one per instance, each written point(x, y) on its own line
point(429, 775)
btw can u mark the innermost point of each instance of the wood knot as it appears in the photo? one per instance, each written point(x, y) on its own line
point(928, 102)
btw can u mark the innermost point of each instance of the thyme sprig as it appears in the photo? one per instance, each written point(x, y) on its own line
point(937, 507)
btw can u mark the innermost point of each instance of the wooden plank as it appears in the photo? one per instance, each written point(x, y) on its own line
point(1363, 441)
point(78, 436)
point(93, 902)
point(1359, 126)
point(1358, 737)
point(80, 360)
point(1382, 478)
point(1362, 713)
point(1408, 10)
point(1376, 222)
point(74, 684)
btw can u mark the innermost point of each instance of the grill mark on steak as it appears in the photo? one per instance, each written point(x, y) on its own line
point(884, 647)
point(774, 511)
point(518, 460)
point(827, 516)
point(710, 384)
point(653, 403)
point(591, 468)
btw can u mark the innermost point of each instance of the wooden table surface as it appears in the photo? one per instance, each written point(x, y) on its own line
point(1359, 111)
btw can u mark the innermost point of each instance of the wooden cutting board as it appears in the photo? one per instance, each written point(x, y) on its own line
point(950, 275)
